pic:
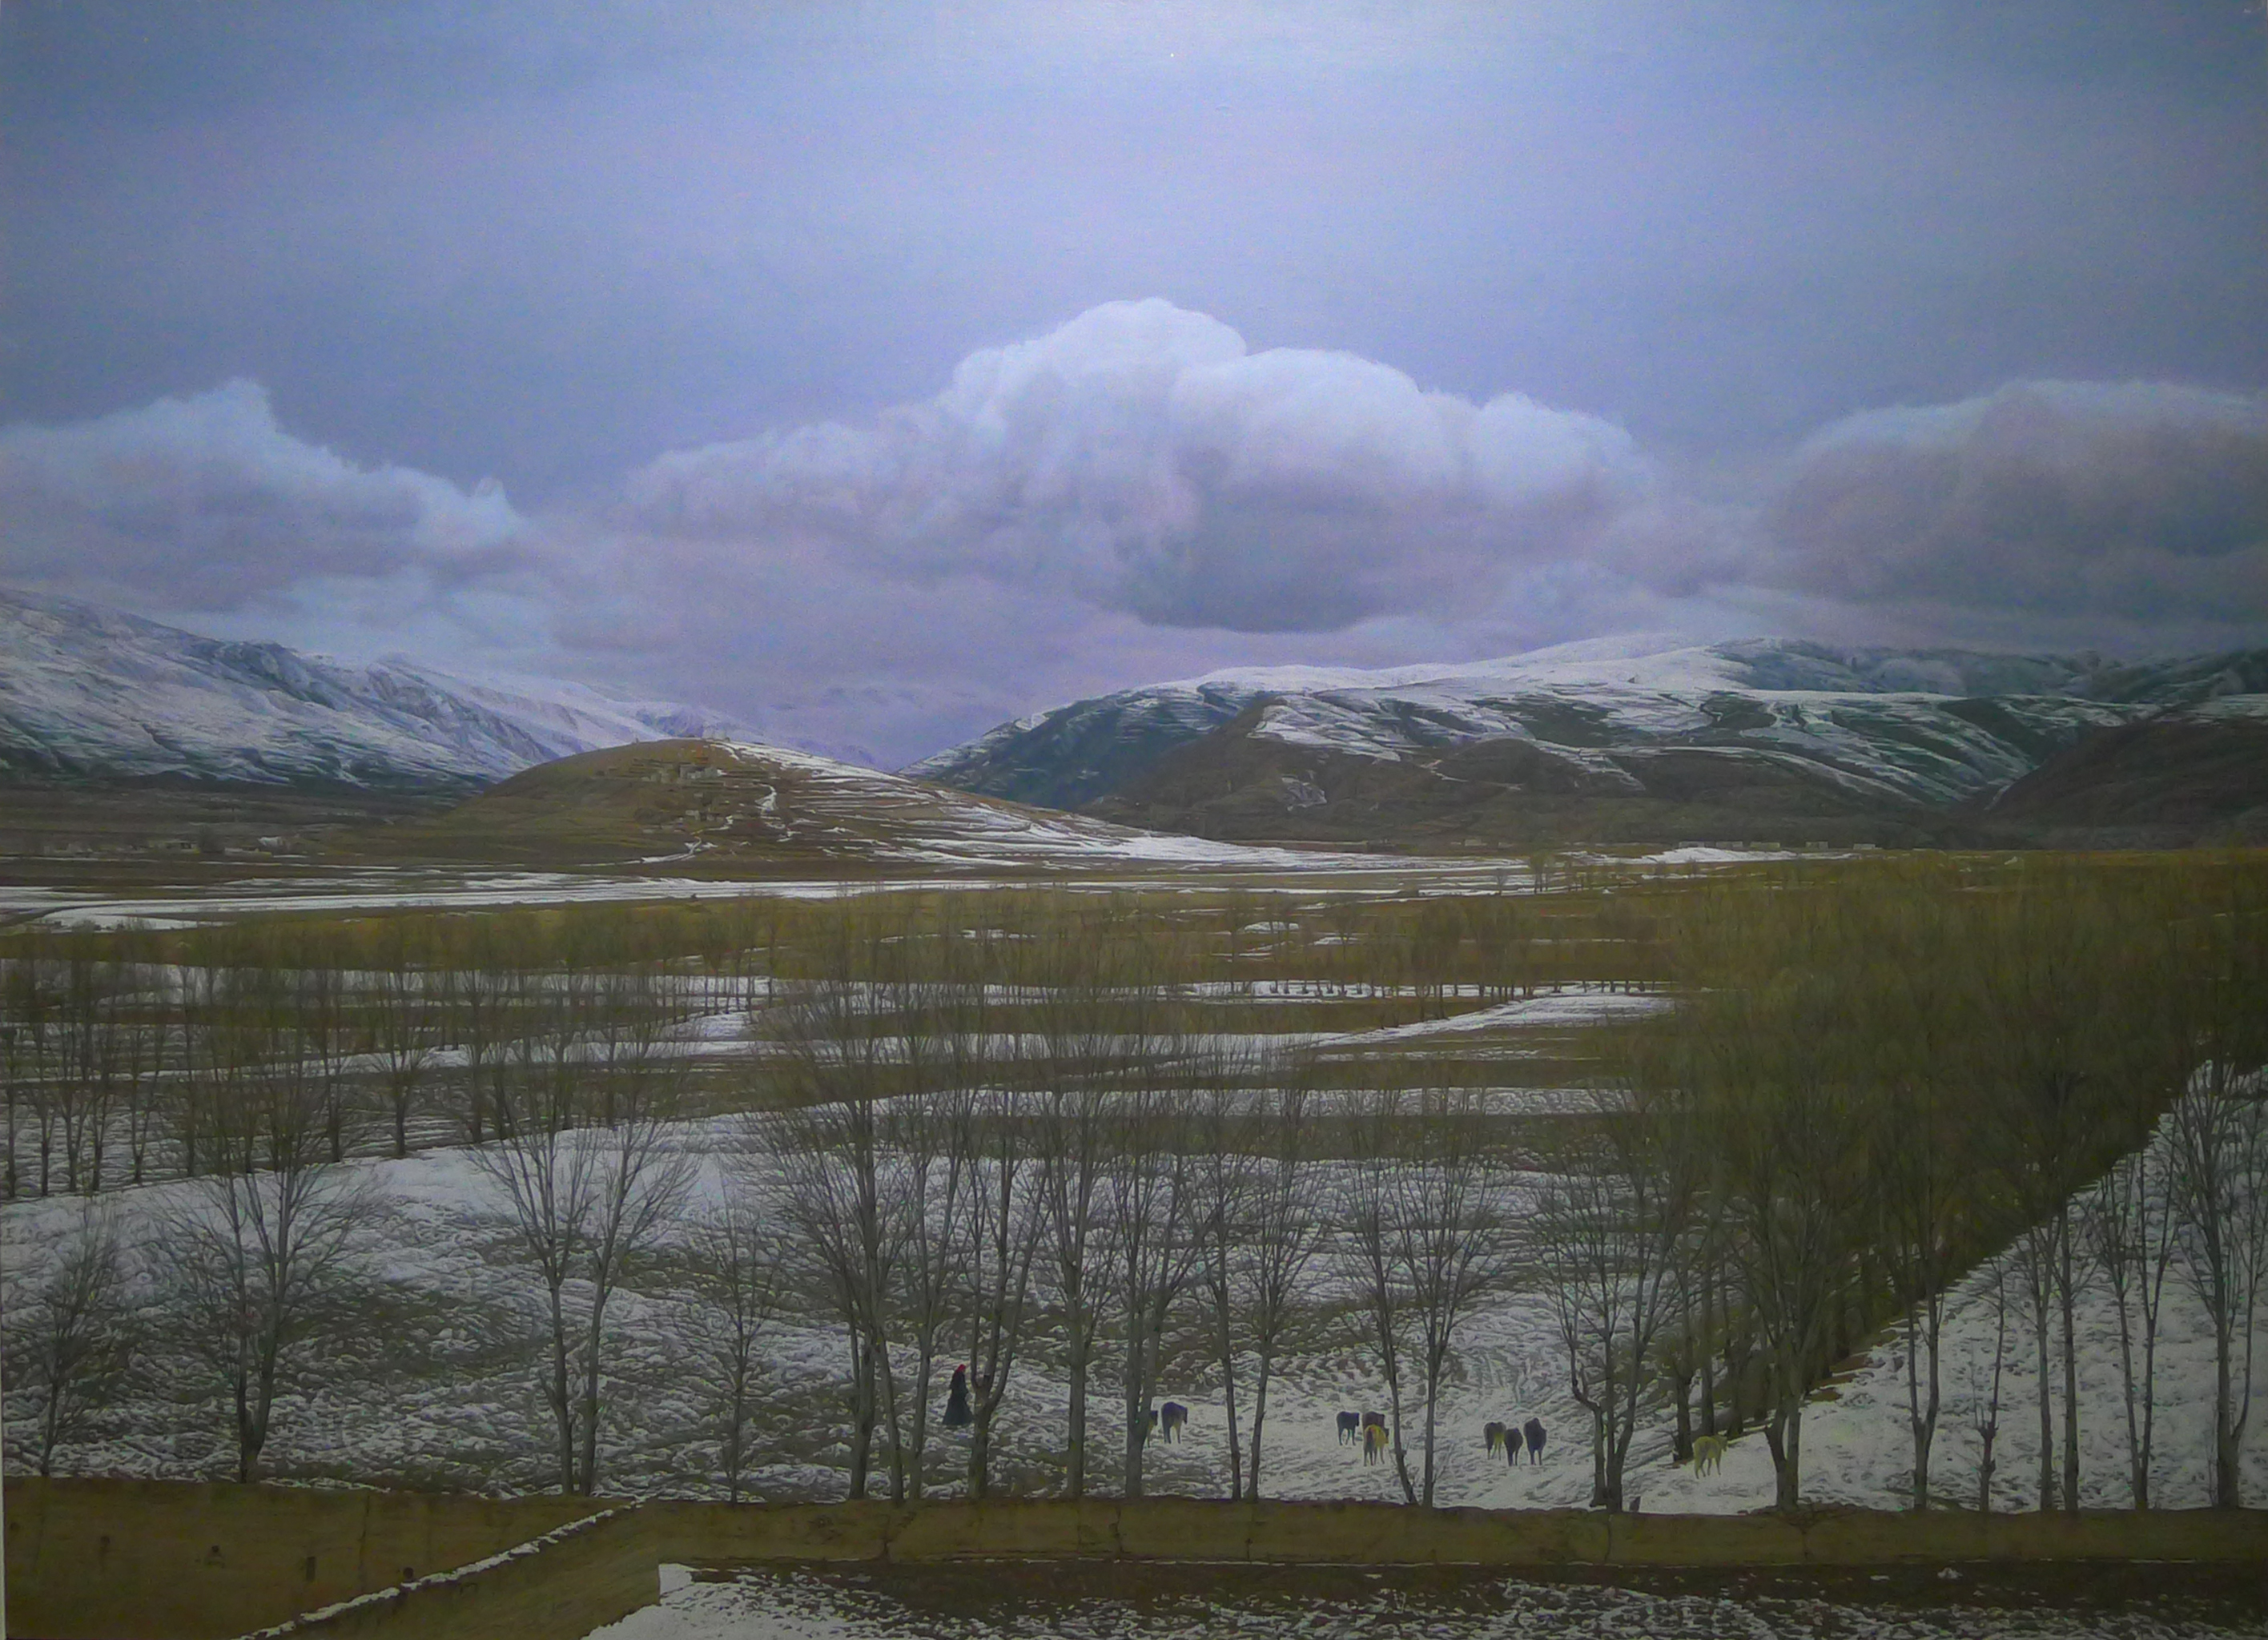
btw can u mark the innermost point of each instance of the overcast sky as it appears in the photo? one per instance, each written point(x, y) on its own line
point(879, 373)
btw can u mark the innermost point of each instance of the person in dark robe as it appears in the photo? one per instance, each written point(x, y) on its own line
point(957, 1415)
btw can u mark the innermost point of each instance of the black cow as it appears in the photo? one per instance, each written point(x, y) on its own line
point(1350, 1429)
point(1174, 1416)
point(1534, 1430)
point(957, 1415)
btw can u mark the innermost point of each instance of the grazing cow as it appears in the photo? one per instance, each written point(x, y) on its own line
point(1708, 1453)
point(1176, 1415)
point(1495, 1433)
point(1373, 1419)
point(1534, 1430)
point(957, 1414)
point(1350, 1429)
point(1374, 1442)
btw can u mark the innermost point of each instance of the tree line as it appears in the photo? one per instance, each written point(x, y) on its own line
point(1014, 1148)
point(2047, 1078)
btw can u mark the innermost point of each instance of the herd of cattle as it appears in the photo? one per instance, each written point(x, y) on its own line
point(1366, 1429)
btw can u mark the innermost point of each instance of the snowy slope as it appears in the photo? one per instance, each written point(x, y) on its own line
point(1930, 727)
point(87, 691)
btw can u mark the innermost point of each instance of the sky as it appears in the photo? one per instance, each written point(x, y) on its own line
point(878, 372)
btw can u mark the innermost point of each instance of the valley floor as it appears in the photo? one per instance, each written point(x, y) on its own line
point(442, 1395)
point(434, 1387)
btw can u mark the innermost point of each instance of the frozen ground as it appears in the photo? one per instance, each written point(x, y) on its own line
point(438, 1390)
point(1012, 1602)
point(1272, 871)
point(1184, 864)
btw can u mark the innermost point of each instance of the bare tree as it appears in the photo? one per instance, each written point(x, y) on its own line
point(1425, 1236)
point(18, 1057)
point(1983, 1383)
point(1071, 1132)
point(1920, 1205)
point(929, 1200)
point(841, 1055)
point(69, 1337)
point(2129, 1224)
point(203, 1004)
point(583, 1198)
point(1284, 1228)
point(2036, 1260)
point(1002, 1223)
point(329, 1035)
point(142, 1061)
point(1788, 1145)
point(482, 1006)
point(85, 1072)
point(2054, 1055)
point(1004, 1226)
point(257, 1250)
point(1150, 1208)
point(37, 1029)
point(1606, 1238)
point(410, 1014)
point(1226, 1177)
point(1370, 1258)
point(738, 1262)
point(2218, 1137)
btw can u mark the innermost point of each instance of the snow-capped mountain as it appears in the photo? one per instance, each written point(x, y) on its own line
point(86, 691)
point(1755, 736)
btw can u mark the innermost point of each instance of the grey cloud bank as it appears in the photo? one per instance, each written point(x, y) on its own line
point(205, 504)
point(1134, 495)
point(878, 371)
point(2064, 499)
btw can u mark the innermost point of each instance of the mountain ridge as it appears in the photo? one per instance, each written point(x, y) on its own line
point(90, 692)
point(1642, 738)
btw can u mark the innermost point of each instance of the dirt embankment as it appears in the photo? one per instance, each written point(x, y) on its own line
point(89, 1558)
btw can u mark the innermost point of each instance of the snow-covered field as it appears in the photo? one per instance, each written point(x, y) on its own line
point(440, 1390)
point(1187, 864)
point(838, 1605)
point(1256, 871)
point(434, 1385)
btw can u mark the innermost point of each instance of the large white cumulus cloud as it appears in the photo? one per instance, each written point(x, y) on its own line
point(2142, 501)
point(1138, 457)
point(1136, 496)
point(205, 503)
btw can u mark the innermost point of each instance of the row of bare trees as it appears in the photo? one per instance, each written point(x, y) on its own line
point(1872, 1088)
point(221, 1294)
point(119, 1069)
point(241, 1277)
point(1010, 1153)
point(974, 1170)
point(113, 1045)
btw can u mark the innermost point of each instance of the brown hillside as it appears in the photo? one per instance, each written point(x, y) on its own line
point(2167, 782)
point(1500, 793)
point(688, 804)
